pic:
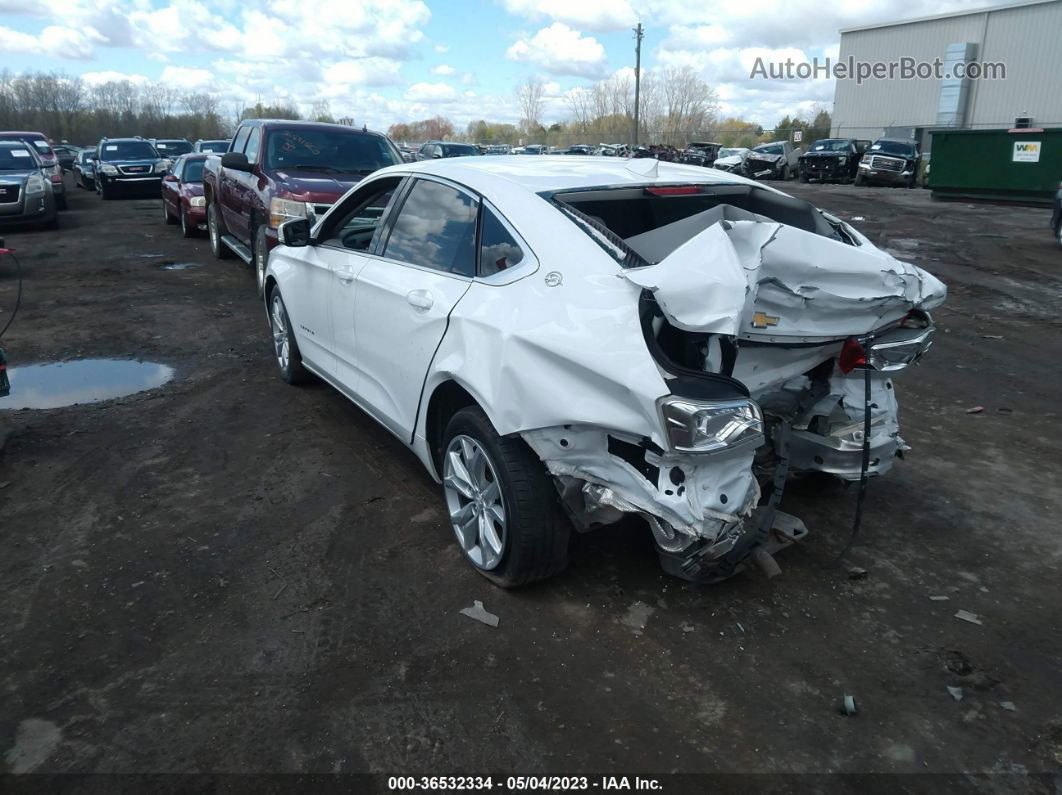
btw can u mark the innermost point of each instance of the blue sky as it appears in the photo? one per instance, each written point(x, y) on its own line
point(383, 61)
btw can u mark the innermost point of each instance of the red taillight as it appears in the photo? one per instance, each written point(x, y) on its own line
point(56, 178)
point(674, 190)
point(852, 356)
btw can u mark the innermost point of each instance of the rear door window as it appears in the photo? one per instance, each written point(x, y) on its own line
point(498, 249)
point(436, 228)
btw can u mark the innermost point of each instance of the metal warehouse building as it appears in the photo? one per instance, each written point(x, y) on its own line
point(1026, 37)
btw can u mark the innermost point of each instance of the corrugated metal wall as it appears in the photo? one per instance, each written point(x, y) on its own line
point(1027, 38)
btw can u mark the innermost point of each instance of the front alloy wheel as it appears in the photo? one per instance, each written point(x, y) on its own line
point(475, 502)
point(285, 348)
point(261, 257)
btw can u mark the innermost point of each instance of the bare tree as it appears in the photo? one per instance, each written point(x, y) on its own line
point(530, 95)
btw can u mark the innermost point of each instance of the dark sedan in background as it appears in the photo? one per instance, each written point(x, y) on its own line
point(85, 169)
point(26, 195)
point(182, 194)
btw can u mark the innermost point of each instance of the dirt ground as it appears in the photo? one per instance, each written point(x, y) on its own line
point(229, 574)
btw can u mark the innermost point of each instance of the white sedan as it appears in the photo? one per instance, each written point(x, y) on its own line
point(563, 341)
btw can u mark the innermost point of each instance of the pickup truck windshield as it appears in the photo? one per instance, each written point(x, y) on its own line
point(893, 148)
point(831, 146)
point(171, 148)
point(128, 150)
point(328, 151)
point(213, 146)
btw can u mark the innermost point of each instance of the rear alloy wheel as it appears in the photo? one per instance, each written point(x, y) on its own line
point(285, 348)
point(217, 248)
point(261, 257)
point(502, 506)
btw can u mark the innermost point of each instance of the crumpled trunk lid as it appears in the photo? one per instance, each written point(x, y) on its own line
point(772, 282)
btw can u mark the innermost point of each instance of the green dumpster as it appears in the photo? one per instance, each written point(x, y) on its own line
point(1022, 165)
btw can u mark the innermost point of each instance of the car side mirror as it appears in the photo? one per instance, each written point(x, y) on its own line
point(237, 161)
point(437, 155)
point(295, 233)
point(170, 178)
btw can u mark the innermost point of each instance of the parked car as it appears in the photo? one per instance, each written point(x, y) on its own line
point(889, 162)
point(408, 155)
point(557, 338)
point(279, 169)
point(171, 148)
point(128, 165)
point(732, 159)
point(85, 169)
point(66, 155)
point(219, 145)
point(434, 150)
point(53, 171)
point(1056, 216)
point(499, 149)
point(26, 193)
point(182, 194)
point(700, 153)
point(832, 160)
point(777, 160)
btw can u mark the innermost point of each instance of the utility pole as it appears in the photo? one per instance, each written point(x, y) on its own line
point(639, 34)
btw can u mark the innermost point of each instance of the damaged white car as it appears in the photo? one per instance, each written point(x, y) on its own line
point(565, 341)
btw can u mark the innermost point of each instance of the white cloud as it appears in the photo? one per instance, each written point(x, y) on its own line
point(561, 50)
point(595, 15)
point(364, 72)
point(444, 70)
point(441, 48)
point(188, 78)
point(430, 92)
point(98, 78)
point(54, 40)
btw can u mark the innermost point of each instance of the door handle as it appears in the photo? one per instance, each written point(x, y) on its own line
point(345, 276)
point(420, 299)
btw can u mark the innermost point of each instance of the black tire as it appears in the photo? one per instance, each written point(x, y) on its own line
point(260, 256)
point(215, 229)
point(784, 173)
point(292, 371)
point(186, 230)
point(859, 181)
point(1058, 233)
point(803, 176)
point(60, 202)
point(537, 533)
point(106, 194)
point(170, 220)
point(52, 223)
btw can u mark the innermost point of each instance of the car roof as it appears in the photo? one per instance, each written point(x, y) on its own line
point(24, 133)
point(306, 124)
point(559, 173)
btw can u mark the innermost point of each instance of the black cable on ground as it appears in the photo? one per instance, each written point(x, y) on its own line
point(863, 475)
point(18, 296)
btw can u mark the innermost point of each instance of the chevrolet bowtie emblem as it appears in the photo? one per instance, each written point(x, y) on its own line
point(763, 320)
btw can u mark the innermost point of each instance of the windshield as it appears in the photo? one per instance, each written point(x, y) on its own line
point(733, 151)
point(893, 148)
point(459, 150)
point(86, 156)
point(173, 147)
point(831, 145)
point(213, 146)
point(329, 151)
point(771, 149)
point(193, 171)
point(16, 158)
point(128, 150)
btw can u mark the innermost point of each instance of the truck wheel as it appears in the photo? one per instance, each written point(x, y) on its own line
point(60, 202)
point(859, 180)
point(105, 193)
point(261, 256)
point(803, 176)
point(502, 506)
point(214, 231)
point(784, 175)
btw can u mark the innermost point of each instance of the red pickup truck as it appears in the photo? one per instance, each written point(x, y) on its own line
point(276, 170)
